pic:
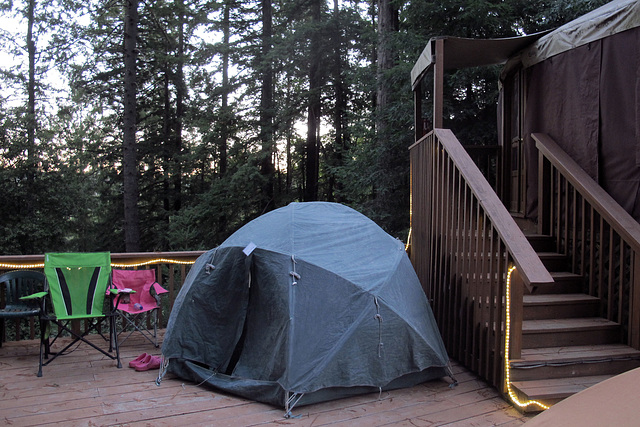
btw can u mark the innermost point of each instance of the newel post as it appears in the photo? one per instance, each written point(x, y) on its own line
point(516, 310)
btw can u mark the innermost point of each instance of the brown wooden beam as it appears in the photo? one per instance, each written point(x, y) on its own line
point(438, 83)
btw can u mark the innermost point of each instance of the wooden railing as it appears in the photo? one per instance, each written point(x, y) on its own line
point(600, 238)
point(171, 270)
point(463, 243)
point(488, 158)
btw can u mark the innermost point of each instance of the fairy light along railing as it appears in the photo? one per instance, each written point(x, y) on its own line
point(463, 241)
point(507, 341)
point(171, 270)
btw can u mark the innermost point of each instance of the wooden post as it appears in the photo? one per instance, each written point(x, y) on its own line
point(515, 340)
point(438, 83)
point(634, 309)
point(417, 112)
point(172, 293)
point(544, 195)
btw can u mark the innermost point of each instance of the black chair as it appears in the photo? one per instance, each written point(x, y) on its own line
point(18, 284)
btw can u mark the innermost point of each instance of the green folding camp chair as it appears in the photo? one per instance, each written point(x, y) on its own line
point(77, 284)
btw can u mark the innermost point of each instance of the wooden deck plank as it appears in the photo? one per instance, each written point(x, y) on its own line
point(85, 388)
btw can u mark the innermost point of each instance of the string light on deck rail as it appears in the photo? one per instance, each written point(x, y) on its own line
point(153, 261)
point(10, 266)
point(408, 245)
point(507, 367)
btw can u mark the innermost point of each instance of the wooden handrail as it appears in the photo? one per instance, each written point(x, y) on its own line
point(464, 243)
point(601, 239)
point(603, 203)
point(530, 267)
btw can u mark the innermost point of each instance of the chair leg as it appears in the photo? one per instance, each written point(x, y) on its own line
point(111, 335)
point(45, 331)
point(44, 345)
point(2, 332)
point(113, 339)
point(155, 327)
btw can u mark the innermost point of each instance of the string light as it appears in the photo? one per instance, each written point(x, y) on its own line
point(153, 261)
point(408, 245)
point(7, 266)
point(507, 367)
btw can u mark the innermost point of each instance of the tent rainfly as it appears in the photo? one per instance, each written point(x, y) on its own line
point(307, 303)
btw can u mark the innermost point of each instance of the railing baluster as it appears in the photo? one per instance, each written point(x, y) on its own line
point(448, 239)
point(592, 251)
point(583, 235)
point(634, 301)
point(610, 277)
point(620, 279)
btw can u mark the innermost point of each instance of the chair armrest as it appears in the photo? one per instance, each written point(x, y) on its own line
point(37, 295)
point(121, 291)
point(159, 290)
point(116, 294)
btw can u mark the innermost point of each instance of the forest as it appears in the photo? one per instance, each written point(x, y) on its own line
point(165, 125)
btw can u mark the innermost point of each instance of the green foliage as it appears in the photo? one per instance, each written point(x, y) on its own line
point(64, 191)
point(539, 15)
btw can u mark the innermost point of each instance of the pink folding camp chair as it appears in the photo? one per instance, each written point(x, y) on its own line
point(139, 299)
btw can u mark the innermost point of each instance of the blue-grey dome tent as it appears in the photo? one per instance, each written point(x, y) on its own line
point(307, 303)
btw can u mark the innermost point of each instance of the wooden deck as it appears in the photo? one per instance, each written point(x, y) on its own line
point(84, 388)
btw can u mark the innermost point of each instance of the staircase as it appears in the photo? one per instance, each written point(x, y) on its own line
point(566, 347)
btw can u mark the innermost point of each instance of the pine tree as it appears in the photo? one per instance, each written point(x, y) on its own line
point(267, 168)
point(314, 108)
point(129, 158)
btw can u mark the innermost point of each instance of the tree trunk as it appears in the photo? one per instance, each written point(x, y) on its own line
point(166, 138)
point(180, 94)
point(129, 164)
point(313, 112)
point(224, 131)
point(266, 108)
point(340, 109)
point(31, 91)
point(387, 25)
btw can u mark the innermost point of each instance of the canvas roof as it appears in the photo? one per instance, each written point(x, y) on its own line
point(463, 52)
point(610, 19)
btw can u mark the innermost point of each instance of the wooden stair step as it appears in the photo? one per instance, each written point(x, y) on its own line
point(567, 332)
point(563, 325)
point(559, 362)
point(551, 391)
point(541, 242)
point(577, 353)
point(563, 282)
point(549, 306)
point(553, 260)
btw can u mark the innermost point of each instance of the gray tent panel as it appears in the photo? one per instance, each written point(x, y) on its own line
point(327, 305)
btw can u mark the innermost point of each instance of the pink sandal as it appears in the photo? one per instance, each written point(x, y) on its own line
point(152, 363)
point(137, 360)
